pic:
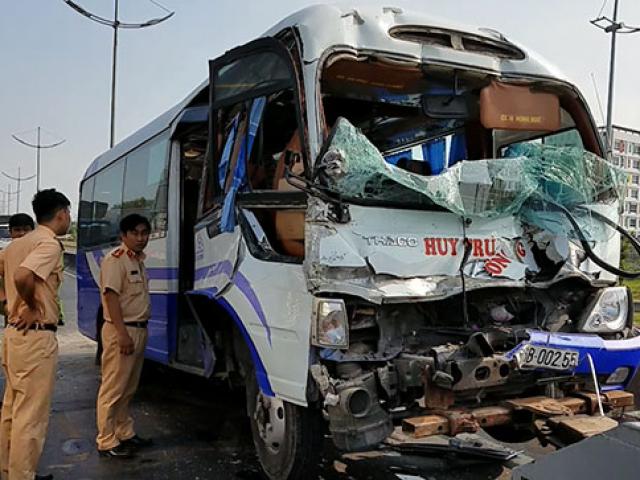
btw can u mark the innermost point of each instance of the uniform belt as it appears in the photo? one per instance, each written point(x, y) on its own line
point(136, 324)
point(39, 326)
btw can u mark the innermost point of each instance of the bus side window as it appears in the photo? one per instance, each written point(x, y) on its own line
point(256, 138)
point(146, 184)
point(277, 146)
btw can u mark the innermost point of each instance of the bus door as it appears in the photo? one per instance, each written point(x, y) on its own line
point(189, 147)
point(255, 136)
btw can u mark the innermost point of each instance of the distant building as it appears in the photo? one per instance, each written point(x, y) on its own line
point(626, 155)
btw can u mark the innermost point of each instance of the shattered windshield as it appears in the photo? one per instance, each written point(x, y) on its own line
point(534, 181)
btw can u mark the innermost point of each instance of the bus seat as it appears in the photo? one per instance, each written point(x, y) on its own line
point(289, 224)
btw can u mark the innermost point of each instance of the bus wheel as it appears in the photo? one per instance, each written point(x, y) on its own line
point(288, 438)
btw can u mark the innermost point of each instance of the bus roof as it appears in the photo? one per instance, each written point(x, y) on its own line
point(368, 28)
point(364, 28)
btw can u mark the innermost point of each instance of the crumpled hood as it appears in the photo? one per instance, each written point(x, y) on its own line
point(387, 255)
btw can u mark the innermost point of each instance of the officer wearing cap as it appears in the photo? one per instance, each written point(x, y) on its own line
point(32, 271)
point(127, 308)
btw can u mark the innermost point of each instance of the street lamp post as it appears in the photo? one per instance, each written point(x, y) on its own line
point(38, 146)
point(19, 179)
point(613, 27)
point(117, 24)
point(7, 201)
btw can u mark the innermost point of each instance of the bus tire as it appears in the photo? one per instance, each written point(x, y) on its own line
point(288, 438)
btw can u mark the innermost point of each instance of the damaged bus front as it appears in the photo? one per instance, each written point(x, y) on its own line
point(462, 245)
point(410, 225)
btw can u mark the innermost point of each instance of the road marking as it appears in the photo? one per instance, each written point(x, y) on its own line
point(73, 275)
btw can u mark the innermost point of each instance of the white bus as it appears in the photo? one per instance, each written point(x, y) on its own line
point(369, 217)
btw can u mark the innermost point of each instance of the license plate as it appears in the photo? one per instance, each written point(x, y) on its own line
point(534, 356)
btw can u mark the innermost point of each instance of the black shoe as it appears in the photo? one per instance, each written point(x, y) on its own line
point(137, 442)
point(121, 451)
point(43, 477)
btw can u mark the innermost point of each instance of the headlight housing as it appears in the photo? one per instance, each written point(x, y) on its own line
point(330, 326)
point(608, 313)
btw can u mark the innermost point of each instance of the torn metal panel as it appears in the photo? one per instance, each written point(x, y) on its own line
point(381, 254)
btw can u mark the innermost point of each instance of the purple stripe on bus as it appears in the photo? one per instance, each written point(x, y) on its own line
point(211, 271)
point(261, 372)
point(239, 280)
point(157, 273)
point(244, 286)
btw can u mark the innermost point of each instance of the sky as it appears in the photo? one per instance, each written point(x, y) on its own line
point(55, 66)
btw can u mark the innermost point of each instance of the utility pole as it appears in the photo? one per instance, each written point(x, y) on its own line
point(612, 26)
point(117, 24)
point(18, 179)
point(114, 61)
point(7, 201)
point(38, 146)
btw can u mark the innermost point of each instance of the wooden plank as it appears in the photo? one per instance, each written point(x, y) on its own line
point(619, 398)
point(576, 405)
point(426, 425)
point(591, 401)
point(577, 427)
point(541, 405)
point(492, 416)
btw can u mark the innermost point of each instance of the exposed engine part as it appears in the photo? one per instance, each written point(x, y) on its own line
point(388, 378)
point(436, 397)
point(357, 421)
point(379, 333)
point(412, 355)
point(348, 370)
point(410, 371)
point(473, 366)
point(477, 373)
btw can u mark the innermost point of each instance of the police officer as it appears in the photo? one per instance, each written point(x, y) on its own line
point(32, 271)
point(127, 308)
point(19, 225)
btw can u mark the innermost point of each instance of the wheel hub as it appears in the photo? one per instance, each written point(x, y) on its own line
point(270, 420)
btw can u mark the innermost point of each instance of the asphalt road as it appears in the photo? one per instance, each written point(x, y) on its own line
point(200, 429)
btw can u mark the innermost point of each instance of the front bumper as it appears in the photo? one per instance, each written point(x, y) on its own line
point(607, 355)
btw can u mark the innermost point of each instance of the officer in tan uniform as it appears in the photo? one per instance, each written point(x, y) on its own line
point(32, 272)
point(127, 308)
point(19, 225)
